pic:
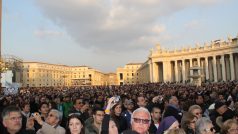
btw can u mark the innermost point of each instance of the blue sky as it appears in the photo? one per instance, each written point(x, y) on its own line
point(106, 34)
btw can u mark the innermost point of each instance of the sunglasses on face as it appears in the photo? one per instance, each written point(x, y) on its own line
point(144, 121)
point(198, 113)
point(210, 130)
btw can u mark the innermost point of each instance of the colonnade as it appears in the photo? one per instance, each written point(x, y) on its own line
point(214, 68)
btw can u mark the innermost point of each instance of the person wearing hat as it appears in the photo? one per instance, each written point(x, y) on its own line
point(129, 105)
point(222, 111)
point(169, 122)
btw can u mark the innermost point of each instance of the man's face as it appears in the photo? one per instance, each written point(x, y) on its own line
point(141, 101)
point(156, 114)
point(199, 100)
point(52, 118)
point(130, 106)
point(98, 117)
point(13, 122)
point(26, 108)
point(140, 122)
point(221, 110)
point(174, 101)
point(79, 104)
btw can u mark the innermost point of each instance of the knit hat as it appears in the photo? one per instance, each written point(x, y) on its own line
point(219, 104)
point(165, 124)
point(129, 132)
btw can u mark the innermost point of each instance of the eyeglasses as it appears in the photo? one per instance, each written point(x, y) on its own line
point(15, 118)
point(211, 129)
point(144, 121)
point(198, 113)
point(51, 115)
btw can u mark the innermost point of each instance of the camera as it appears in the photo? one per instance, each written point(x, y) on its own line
point(34, 114)
point(117, 99)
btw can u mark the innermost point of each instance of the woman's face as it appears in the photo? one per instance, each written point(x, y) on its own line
point(197, 112)
point(209, 129)
point(112, 127)
point(118, 110)
point(192, 123)
point(233, 129)
point(44, 109)
point(75, 126)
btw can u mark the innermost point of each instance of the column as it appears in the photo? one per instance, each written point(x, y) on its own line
point(176, 70)
point(206, 65)
point(199, 65)
point(183, 69)
point(214, 68)
point(223, 68)
point(232, 67)
point(151, 71)
point(191, 71)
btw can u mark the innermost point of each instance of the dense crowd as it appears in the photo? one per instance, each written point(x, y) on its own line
point(152, 108)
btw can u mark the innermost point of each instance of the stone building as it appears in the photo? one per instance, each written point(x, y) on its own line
point(218, 61)
point(37, 74)
point(128, 74)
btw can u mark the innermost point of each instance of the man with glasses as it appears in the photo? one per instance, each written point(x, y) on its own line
point(77, 105)
point(51, 124)
point(12, 122)
point(140, 120)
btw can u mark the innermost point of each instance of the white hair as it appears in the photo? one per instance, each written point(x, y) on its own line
point(141, 109)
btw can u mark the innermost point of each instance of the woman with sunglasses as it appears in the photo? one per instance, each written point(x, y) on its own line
point(74, 125)
point(196, 110)
point(204, 126)
point(188, 123)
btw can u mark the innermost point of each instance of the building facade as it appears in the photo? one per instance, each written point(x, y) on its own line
point(11, 65)
point(128, 74)
point(37, 74)
point(218, 62)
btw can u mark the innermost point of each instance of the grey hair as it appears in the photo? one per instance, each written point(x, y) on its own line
point(141, 109)
point(58, 114)
point(201, 124)
point(6, 111)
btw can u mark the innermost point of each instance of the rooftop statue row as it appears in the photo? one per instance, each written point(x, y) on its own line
point(214, 44)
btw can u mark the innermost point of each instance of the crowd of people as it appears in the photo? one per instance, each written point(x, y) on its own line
point(151, 108)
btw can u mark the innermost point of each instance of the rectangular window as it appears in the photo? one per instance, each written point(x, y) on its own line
point(121, 76)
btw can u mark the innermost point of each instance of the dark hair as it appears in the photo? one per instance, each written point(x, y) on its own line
point(41, 104)
point(95, 109)
point(24, 104)
point(74, 101)
point(77, 116)
point(53, 105)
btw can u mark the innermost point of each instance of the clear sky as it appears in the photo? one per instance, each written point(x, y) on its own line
point(106, 34)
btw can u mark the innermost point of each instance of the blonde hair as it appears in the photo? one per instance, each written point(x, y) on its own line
point(227, 125)
point(191, 108)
